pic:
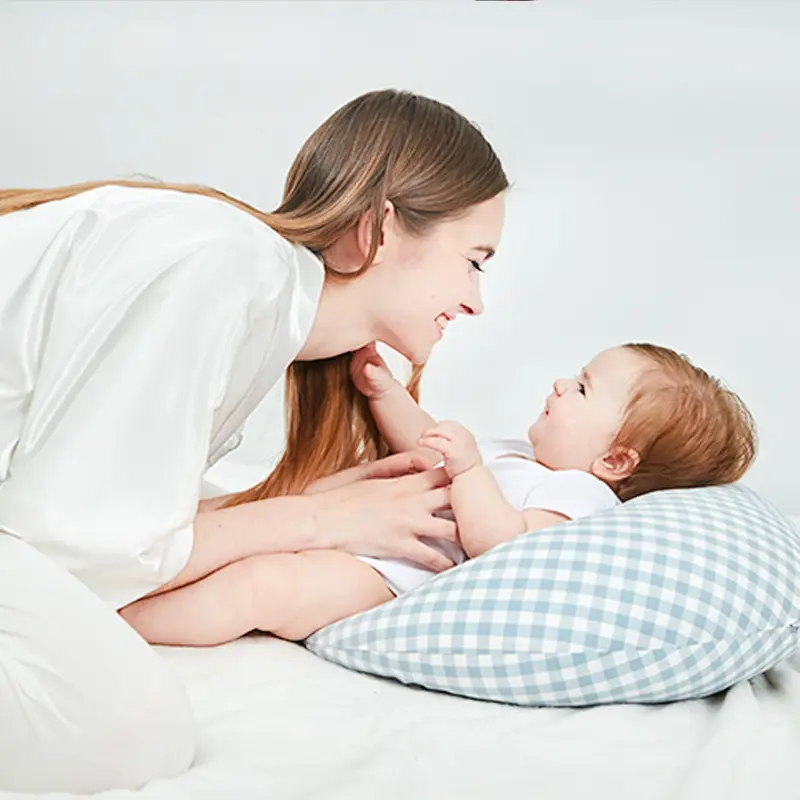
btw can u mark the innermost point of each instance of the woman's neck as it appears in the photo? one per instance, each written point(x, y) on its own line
point(342, 323)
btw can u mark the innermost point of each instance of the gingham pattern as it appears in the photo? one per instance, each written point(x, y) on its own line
point(670, 596)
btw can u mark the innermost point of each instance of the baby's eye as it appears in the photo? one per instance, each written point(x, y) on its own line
point(476, 264)
point(582, 388)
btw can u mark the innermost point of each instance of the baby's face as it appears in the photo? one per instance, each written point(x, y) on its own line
point(582, 415)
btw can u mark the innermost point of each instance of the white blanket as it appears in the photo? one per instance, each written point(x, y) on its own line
point(277, 722)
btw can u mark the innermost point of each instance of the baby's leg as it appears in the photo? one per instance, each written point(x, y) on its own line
point(288, 594)
point(316, 587)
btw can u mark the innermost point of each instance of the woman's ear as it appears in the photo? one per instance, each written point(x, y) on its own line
point(616, 465)
point(349, 252)
point(387, 235)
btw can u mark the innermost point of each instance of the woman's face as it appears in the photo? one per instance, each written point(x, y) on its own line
point(424, 283)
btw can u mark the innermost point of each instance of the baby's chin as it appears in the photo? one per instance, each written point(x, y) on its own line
point(533, 432)
point(546, 452)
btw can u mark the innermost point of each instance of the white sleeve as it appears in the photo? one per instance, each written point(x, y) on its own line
point(133, 363)
point(572, 493)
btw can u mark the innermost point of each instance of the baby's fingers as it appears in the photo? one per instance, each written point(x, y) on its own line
point(434, 435)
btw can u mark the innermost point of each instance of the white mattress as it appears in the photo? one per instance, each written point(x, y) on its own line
point(275, 721)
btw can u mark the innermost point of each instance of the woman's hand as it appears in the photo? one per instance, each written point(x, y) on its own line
point(378, 516)
point(386, 518)
point(370, 373)
point(390, 467)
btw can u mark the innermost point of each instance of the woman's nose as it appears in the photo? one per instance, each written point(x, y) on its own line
point(474, 304)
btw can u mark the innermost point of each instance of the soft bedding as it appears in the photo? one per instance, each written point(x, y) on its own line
point(275, 721)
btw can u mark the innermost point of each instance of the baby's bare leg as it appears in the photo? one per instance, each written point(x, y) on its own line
point(302, 592)
point(288, 594)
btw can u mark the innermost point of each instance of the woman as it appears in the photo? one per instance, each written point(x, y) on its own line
point(141, 325)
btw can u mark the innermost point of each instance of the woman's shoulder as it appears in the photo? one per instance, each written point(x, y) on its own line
point(203, 213)
point(152, 231)
point(173, 219)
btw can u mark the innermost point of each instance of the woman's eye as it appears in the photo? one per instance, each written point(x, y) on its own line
point(476, 264)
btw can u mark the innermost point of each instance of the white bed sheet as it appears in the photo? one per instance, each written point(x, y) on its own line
point(275, 721)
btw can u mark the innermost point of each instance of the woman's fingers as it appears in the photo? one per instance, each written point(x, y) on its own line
point(437, 499)
point(438, 528)
point(424, 481)
point(427, 557)
point(419, 461)
point(397, 466)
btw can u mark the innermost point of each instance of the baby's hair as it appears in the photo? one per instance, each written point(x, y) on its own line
point(687, 428)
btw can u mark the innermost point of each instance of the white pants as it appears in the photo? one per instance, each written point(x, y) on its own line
point(85, 704)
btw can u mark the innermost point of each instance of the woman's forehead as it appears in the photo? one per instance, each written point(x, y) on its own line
point(482, 225)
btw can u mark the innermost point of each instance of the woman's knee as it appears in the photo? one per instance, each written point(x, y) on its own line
point(91, 742)
point(86, 705)
point(155, 736)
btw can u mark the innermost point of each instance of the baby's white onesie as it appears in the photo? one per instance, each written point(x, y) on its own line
point(525, 484)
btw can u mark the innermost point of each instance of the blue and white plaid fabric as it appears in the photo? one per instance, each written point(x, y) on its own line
point(673, 595)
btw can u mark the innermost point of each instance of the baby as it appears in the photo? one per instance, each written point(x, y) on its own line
point(638, 418)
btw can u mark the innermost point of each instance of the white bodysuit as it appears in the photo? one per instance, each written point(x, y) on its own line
point(525, 484)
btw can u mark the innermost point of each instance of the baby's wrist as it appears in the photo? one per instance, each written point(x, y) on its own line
point(391, 389)
point(472, 469)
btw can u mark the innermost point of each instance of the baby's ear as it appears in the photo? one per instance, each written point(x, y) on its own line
point(616, 465)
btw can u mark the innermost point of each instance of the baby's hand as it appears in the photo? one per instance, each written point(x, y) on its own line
point(370, 373)
point(456, 444)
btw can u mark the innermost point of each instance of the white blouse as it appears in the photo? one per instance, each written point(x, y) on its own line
point(138, 330)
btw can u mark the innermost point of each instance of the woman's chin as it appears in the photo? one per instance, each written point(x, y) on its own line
point(416, 349)
point(417, 353)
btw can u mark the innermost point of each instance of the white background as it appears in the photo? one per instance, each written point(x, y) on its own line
point(653, 148)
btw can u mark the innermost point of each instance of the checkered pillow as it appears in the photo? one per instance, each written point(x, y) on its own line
point(673, 595)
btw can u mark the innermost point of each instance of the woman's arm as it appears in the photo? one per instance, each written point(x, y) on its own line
point(395, 466)
point(212, 503)
point(225, 535)
point(380, 517)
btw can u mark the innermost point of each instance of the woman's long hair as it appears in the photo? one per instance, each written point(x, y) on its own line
point(425, 158)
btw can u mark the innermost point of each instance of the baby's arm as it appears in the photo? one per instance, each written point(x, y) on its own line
point(400, 419)
point(483, 516)
point(398, 416)
point(290, 595)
